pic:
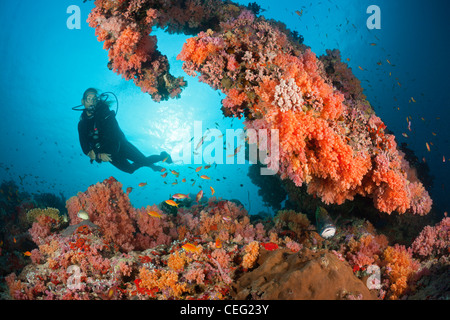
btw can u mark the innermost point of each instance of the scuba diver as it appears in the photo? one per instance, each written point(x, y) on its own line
point(102, 140)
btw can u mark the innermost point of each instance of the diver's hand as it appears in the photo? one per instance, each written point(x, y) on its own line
point(91, 154)
point(105, 157)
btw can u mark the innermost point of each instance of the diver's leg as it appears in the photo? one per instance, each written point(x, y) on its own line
point(140, 160)
point(123, 164)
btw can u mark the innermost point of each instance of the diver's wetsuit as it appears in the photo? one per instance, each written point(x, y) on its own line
point(102, 133)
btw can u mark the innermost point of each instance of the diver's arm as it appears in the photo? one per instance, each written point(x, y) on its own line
point(84, 142)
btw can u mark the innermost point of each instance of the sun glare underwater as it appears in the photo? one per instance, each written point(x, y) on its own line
point(273, 144)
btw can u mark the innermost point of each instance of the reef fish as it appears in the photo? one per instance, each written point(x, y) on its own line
point(154, 214)
point(83, 215)
point(212, 190)
point(199, 196)
point(180, 196)
point(142, 184)
point(171, 203)
point(205, 177)
point(191, 248)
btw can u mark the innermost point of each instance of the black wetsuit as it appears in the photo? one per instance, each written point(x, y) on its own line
point(102, 134)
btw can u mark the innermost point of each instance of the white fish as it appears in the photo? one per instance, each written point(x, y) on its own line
point(83, 215)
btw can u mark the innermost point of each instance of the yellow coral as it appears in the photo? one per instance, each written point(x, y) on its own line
point(36, 212)
point(401, 266)
point(177, 261)
point(252, 252)
point(161, 279)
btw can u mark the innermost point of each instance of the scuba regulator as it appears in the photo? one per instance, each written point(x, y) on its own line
point(102, 97)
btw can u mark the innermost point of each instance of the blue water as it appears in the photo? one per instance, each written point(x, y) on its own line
point(45, 67)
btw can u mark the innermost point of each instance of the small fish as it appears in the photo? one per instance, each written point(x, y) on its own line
point(164, 175)
point(198, 169)
point(171, 203)
point(199, 196)
point(428, 146)
point(205, 177)
point(218, 243)
point(165, 159)
point(409, 125)
point(433, 133)
point(225, 218)
point(142, 184)
point(360, 68)
point(129, 189)
point(208, 166)
point(174, 183)
point(184, 180)
point(83, 215)
point(348, 59)
point(191, 248)
point(388, 61)
point(212, 190)
point(405, 135)
point(299, 13)
point(200, 142)
point(163, 169)
point(174, 172)
point(180, 196)
point(14, 240)
point(27, 253)
point(412, 99)
point(443, 158)
point(154, 214)
point(373, 44)
point(379, 63)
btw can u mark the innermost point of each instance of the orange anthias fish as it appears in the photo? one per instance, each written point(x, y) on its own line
point(164, 175)
point(205, 177)
point(180, 196)
point(212, 190)
point(174, 172)
point(428, 146)
point(171, 203)
point(199, 196)
point(198, 169)
point(360, 68)
point(207, 166)
point(129, 189)
point(191, 248)
point(218, 243)
point(142, 184)
point(154, 214)
point(27, 253)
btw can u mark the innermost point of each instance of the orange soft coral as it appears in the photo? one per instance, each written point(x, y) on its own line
point(400, 267)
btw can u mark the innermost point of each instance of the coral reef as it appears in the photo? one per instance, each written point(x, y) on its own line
point(211, 250)
point(330, 137)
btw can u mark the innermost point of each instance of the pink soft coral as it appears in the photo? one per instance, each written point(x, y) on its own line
point(109, 208)
point(433, 240)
